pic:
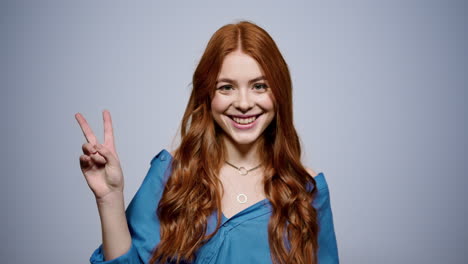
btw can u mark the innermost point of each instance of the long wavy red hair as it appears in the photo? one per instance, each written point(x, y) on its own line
point(193, 191)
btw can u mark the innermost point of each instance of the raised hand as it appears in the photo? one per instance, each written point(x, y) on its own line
point(99, 163)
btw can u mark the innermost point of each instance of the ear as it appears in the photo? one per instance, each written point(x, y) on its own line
point(311, 172)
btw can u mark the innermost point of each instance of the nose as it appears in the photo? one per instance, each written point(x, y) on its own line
point(243, 100)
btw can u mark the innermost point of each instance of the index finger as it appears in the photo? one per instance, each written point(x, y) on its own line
point(87, 132)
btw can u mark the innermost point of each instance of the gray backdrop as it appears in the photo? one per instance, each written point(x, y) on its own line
point(379, 93)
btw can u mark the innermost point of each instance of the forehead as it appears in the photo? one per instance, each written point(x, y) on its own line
point(240, 66)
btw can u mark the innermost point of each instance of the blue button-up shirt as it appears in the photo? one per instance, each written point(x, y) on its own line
point(243, 238)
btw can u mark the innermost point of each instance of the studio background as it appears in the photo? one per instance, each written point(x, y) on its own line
point(380, 93)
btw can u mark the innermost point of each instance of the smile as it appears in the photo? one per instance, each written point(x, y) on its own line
point(244, 123)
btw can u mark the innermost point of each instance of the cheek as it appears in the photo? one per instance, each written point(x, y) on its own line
point(267, 102)
point(218, 104)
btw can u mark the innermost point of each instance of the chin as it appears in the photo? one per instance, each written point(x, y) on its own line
point(244, 140)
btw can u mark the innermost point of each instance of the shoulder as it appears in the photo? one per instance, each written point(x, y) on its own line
point(320, 182)
point(311, 172)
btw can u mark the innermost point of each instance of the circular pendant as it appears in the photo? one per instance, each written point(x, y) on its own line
point(242, 198)
point(243, 171)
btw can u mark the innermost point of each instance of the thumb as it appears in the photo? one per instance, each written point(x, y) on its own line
point(107, 154)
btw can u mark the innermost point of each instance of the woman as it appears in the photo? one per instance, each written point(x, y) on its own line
point(234, 190)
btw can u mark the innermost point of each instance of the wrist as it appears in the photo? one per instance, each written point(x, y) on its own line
point(110, 199)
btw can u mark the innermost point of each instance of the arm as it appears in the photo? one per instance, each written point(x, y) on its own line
point(142, 221)
point(116, 238)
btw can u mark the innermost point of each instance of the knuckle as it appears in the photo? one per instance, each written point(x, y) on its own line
point(83, 161)
point(86, 146)
point(97, 157)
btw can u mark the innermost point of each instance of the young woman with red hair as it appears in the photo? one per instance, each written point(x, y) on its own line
point(234, 190)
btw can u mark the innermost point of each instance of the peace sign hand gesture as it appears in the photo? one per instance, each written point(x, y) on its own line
point(99, 163)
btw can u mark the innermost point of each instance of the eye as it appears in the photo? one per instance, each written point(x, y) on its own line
point(261, 86)
point(225, 87)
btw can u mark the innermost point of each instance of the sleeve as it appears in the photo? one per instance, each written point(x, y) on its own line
point(141, 216)
point(328, 249)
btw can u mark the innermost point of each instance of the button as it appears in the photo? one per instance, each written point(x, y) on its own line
point(163, 157)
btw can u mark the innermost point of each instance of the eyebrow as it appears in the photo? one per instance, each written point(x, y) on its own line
point(235, 82)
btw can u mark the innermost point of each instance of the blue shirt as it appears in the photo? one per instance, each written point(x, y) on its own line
point(243, 238)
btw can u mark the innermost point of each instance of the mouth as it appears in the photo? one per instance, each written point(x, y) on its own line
point(244, 121)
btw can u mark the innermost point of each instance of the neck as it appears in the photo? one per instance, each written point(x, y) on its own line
point(242, 155)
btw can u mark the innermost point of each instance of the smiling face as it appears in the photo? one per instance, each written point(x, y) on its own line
point(243, 104)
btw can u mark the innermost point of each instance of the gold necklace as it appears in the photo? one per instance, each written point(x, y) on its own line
point(241, 197)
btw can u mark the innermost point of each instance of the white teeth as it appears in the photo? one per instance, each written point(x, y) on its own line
point(244, 120)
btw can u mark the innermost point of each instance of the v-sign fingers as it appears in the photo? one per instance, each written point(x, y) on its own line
point(87, 132)
point(108, 130)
